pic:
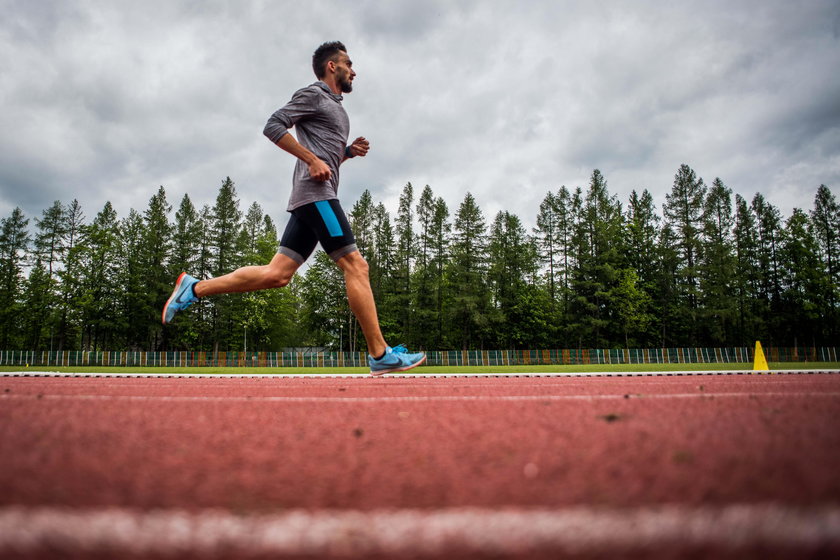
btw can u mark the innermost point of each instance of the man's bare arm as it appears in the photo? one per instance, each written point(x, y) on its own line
point(318, 169)
point(359, 147)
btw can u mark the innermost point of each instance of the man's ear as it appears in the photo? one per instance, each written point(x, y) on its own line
point(330, 66)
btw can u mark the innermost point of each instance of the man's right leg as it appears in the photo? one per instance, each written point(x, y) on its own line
point(189, 290)
point(297, 244)
point(276, 274)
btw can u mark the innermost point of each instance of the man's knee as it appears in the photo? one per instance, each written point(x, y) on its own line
point(354, 263)
point(280, 272)
point(279, 278)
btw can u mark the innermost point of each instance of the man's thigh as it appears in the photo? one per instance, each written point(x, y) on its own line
point(324, 222)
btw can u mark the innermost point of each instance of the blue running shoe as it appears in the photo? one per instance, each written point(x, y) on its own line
point(395, 359)
point(182, 297)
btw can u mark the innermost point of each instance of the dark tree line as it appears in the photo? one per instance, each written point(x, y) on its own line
point(710, 269)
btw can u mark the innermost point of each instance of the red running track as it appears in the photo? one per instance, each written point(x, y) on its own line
point(636, 467)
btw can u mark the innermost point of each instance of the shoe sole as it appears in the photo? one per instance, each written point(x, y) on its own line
point(396, 370)
point(172, 297)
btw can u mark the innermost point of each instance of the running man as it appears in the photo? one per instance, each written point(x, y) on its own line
point(321, 147)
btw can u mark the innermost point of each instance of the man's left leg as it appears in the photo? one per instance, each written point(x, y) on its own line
point(383, 358)
point(360, 297)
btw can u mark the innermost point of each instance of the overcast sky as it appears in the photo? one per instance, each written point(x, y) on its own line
point(109, 99)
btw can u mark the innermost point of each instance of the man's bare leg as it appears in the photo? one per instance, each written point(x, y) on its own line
point(362, 304)
point(276, 274)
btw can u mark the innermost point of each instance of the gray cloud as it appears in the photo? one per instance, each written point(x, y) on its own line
point(108, 100)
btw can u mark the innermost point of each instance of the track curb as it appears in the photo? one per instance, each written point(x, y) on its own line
point(361, 376)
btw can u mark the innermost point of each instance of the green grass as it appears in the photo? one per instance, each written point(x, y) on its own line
point(429, 369)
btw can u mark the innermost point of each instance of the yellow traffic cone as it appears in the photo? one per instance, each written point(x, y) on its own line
point(760, 362)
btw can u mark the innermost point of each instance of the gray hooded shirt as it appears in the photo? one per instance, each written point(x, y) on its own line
point(322, 127)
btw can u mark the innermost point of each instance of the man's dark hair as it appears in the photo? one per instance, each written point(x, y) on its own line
point(323, 54)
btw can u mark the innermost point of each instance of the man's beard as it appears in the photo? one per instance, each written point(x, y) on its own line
point(345, 84)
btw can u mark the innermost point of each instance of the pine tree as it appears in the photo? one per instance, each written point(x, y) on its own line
point(513, 260)
point(155, 249)
point(672, 319)
point(467, 276)
point(717, 267)
point(825, 218)
point(546, 237)
point(268, 240)
point(133, 301)
point(768, 228)
point(186, 239)
point(803, 302)
point(362, 220)
point(14, 243)
point(249, 236)
point(404, 263)
point(381, 259)
point(425, 212)
point(224, 232)
point(439, 247)
point(631, 306)
point(75, 222)
point(747, 275)
point(50, 249)
point(683, 212)
point(224, 229)
point(569, 206)
point(35, 329)
point(97, 275)
point(424, 316)
point(642, 226)
point(826, 222)
point(599, 256)
point(205, 243)
point(382, 279)
point(642, 232)
point(70, 287)
point(202, 312)
point(50, 242)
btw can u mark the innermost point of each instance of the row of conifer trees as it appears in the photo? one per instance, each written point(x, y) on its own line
point(707, 269)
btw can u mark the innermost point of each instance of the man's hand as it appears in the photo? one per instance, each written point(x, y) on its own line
point(319, 170)
point(359, 147)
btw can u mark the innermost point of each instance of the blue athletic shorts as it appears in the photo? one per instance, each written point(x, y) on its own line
point(323, 222)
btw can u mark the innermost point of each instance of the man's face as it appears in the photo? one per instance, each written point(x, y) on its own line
point(344, 73)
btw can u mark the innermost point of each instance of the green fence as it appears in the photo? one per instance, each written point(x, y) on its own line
point(435, 358)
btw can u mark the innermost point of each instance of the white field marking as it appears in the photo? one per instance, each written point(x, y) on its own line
point(414, 532)
point(314, 375)
point(403, 399)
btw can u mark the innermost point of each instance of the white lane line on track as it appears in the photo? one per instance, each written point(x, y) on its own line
point(315, 376)
point(427, 398)
point(439, 533)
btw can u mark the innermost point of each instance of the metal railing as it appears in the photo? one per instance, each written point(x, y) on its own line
point(743, 354)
